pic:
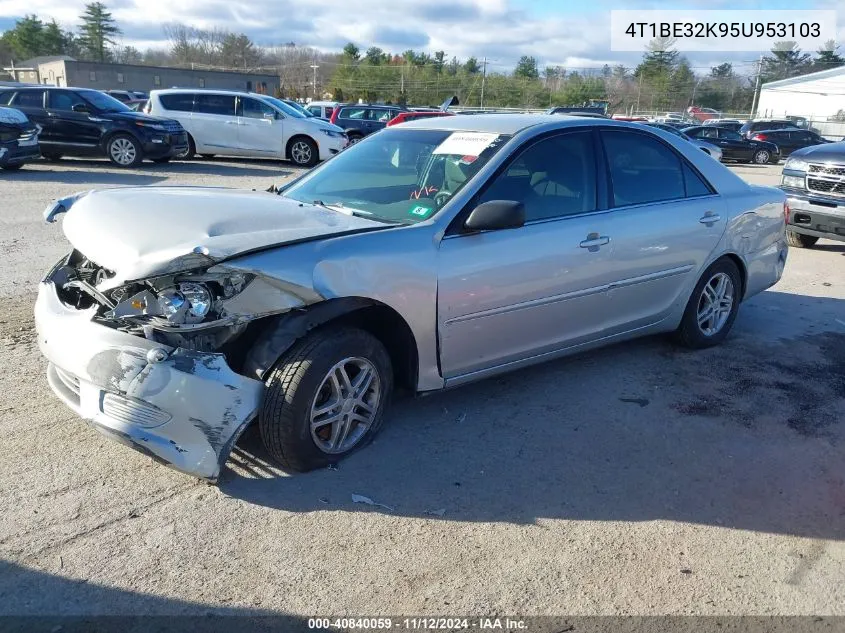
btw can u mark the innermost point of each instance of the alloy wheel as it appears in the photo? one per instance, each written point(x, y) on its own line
point(345, 406)
point(761, 157)
point(715, 304)
point(122, 151)
point(301, 153)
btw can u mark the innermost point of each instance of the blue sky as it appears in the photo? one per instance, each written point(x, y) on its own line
point(573, 33)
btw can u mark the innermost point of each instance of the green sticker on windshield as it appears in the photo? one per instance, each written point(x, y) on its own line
point(421, 211)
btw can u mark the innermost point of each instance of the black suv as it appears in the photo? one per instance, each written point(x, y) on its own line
point(18, 139)
point(82, 122)
point(789, 140)
point(362, 120)
point(752, 127)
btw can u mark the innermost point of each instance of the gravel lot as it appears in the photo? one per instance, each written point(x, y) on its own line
point(640, 479)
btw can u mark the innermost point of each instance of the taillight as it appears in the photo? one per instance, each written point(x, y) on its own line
point(333, 119)
point(760, 137)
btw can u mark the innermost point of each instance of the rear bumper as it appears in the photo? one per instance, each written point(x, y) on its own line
point(816, 215)
point(183, 408)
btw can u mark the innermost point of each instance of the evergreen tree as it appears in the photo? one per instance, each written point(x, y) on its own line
point(786, 60)
point(828, 57)
point(97, 31)
point(526, 68)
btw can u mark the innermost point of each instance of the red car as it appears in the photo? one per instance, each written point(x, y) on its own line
point(703, 114)
point(413, 116)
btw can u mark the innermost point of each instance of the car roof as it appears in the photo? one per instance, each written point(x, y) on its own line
point(234, 93)
point(507, 123)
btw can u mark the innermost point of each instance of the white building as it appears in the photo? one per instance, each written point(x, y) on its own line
point(817, 96)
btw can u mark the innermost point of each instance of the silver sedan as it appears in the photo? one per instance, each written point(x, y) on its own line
point(427, 256)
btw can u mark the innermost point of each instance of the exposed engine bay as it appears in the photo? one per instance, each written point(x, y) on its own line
point(191, 310)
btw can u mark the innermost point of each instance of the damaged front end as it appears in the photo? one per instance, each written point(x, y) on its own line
point(149, 362)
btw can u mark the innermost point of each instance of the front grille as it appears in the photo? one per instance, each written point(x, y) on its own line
point(28, 135)
point(133, 411)
point(827, 170)
point(174, 127)
point(830, 187)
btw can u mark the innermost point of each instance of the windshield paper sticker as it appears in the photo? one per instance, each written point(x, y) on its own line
point(421, 211)
point(466, 143)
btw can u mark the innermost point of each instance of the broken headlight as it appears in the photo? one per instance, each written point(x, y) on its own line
point(178, 300)
point(189, 302)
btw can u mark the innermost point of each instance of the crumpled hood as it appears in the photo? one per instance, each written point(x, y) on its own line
point(140, 232)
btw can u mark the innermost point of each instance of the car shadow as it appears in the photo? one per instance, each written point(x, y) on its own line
point(747, 435)
point(86, 178)
point(835, 247)
point(35, 601)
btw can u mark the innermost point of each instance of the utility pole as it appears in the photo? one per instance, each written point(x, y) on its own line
point(314, 67)
point(755, 103)
point(483, 78)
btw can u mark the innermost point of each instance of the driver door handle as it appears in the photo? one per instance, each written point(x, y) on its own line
point(594, 241)
point(710, 218)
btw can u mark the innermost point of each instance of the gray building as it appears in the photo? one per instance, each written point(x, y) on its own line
point(101, 76)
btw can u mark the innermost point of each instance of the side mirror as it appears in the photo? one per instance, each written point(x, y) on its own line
point(496, 215)
point(270, 116)
point(81, 108)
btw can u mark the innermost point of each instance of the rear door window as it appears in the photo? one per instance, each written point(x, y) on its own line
point(642, 169)
point(29, 99)
point(182, 102)
point(215, 104)
point(357, 114)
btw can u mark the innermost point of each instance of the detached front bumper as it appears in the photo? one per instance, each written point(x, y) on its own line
point(15, 152)
point(181, 407)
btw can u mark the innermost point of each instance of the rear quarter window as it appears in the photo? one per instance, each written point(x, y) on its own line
point(357, 114)
point(178, 102)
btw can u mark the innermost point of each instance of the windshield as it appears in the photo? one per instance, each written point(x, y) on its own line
point(103, 102)
point(399, 176)
point(284, 107)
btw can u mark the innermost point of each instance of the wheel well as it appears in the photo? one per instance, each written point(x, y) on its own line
point(394, 333)
point(743, 272)
point(293, 139)
point(258, 350)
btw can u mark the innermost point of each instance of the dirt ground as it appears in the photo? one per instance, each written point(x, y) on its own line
point(639, 479)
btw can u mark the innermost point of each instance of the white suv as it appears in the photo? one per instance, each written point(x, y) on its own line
point(247, 124)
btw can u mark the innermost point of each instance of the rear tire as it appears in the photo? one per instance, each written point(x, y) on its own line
point(354, 137)
point(13, 167)
point(798, 240)
point(124, 151)
point(305, 381)
point(712, 308)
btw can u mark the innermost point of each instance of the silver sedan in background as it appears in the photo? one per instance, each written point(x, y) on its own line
point(429, 255)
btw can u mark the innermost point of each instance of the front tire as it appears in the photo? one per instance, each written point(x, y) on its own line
point(712, 308)
point(798, 240)
point(304, 152)
point(762, 157)
point(325, 398)
point(124, 151)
